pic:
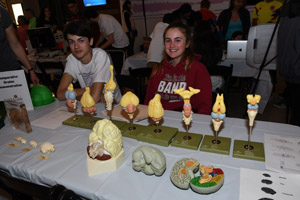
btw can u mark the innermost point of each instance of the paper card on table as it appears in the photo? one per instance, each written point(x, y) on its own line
point(118, 113)
point(54, 119)
point(256, 184)
point(282, 153)
point(13, 87)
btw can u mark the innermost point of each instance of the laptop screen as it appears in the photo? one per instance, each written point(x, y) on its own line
point(236, 49)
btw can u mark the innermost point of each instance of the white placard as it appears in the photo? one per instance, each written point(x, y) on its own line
point(13, 87)
point(259, 185)
point(282, 153)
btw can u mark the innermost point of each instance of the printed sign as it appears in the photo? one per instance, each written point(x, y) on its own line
point(13, 87)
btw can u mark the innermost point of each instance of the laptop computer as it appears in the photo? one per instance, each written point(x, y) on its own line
point(236, 49)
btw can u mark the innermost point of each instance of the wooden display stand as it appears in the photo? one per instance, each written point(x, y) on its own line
point(96, 167)
point(257, 153)
point(162, 138)
point(193, 143)
point(222, 148)
point(88, 122)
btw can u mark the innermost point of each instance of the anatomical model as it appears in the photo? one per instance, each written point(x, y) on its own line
point(252, 112)
point(156, 110)
point(187, 107)
point(149, 160)
point(87, 102)
point(106, 139)
point(129, 102)
point(70, 95)
point(110, 86)
point(218, 115)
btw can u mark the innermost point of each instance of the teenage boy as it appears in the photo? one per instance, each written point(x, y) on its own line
point(110, 29)
point(88, 66)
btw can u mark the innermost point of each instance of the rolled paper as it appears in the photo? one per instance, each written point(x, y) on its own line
point(110, 86)
point(155, 108)
point(218, 112)
point(252, 107)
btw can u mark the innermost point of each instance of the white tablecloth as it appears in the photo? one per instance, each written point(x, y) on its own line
point(67, 165)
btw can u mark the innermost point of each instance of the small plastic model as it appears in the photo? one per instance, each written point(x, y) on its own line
point(149, 160)
point(88, 102)
point(129, 102)
point(47, 147)
point(218, 115)
point(156, 110)
point(105, 151)
point(109, 89)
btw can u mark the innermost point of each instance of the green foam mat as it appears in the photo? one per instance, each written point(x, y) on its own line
point(257, 153)
point(88, 122)
point(127, 132)
point(193, 143)
point(162, 138)
point(222, 148)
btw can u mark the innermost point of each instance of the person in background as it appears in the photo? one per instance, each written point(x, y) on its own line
point(30, 17)
point(288, 57)
point(110, 30)
point(237, 35)
point(180, 69)
point(46, 19)
point(184, 13)
point(235, 18)
point(266, 11)
point(11, 48)
point(90, 67)
point(156, 48)
point(22, 31)
point(206, 13)
point(129, 26)
point(205, 43)
point(74, 11)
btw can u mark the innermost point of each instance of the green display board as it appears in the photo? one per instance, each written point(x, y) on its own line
point(193, 143)
point(257, 153)
point(222, 148)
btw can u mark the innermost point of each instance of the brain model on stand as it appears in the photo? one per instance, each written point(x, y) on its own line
point(149, 160)
point(109, 89)
point(129, 102)
point(105, 150)
point(88, 102)
point(155, 108)
point(105, 141)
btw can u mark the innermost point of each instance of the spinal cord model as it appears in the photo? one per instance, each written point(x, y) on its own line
point(109, 90)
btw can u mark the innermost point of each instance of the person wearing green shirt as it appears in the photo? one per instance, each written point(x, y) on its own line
point(30, 17)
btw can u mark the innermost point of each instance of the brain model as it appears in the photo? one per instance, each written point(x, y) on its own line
point(47, 147)
point(149, 160)
point(183, 171)
point(105, 136)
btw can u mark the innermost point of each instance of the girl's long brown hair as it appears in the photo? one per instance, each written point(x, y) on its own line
point(188, 54)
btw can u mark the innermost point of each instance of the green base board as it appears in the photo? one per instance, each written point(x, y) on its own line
point(193, 143)
point(163, 138)
point(126, 132)
point(87, 122)
point(222, 148)
point(257, 153)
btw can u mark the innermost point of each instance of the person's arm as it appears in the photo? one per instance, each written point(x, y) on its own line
point(100, 39)
point(20, 53)
point(96, 92)
point(110, 41)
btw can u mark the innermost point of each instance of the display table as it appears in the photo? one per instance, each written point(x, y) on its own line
point(67, 165)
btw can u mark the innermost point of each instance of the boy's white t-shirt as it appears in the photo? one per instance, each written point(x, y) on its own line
point(95, 71)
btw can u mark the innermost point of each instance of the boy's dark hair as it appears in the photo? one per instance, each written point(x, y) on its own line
point(236, 33)
point(90, 13)
point(78, 27)
point(29, 10)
